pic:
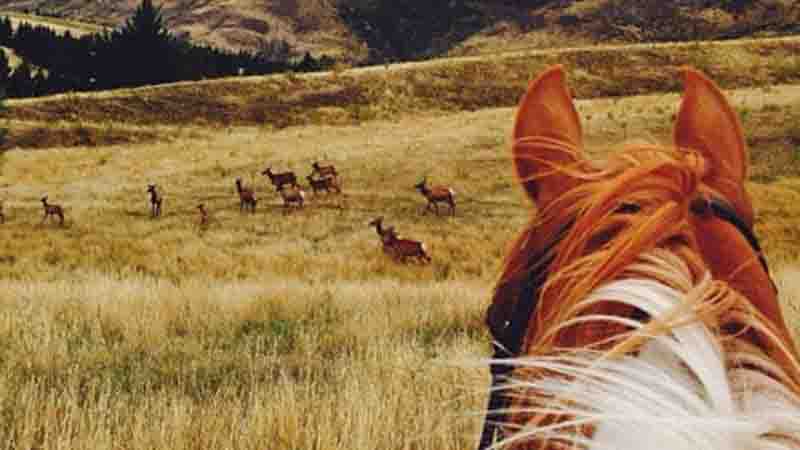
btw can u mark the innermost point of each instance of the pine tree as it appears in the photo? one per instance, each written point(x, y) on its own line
point(143, 51)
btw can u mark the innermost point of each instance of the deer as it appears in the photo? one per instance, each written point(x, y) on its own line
point(323, 184)
point(436, 195)
point(292, 195)
point(400, 249)
point(281, 179)
point(54, 211)
point(155, 201)
point(323, 171)
point(247, 197)
point(204, 217)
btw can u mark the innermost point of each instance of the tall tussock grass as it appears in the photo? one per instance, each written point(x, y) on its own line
point(290, 331)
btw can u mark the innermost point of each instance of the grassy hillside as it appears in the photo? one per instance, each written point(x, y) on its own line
point(58, 25)
point(293, 330)
point(314, 25)
point(348, 97)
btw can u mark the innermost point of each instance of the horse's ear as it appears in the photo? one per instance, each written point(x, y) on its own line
point(706, 122)
point(547, 115)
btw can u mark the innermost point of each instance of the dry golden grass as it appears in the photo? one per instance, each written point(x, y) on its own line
point(291, 331)
point(59, 25)
point(355, 96)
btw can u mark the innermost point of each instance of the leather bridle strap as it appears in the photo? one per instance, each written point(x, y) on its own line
point(723, 210)
point(508, 341)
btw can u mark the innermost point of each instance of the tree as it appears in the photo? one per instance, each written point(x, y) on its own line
point(409, 29)
point(141, 52)
point(5, 70)
point(21, 81)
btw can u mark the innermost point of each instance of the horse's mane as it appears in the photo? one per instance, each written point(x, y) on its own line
point(631, 220)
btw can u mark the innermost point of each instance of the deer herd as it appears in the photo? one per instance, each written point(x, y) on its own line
point(323, 178)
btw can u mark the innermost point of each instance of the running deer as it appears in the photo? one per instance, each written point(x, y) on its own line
point(155, 201)
point(292, 196)
point(281, 179)
point(436, 195)
point(204, 217)
point(323, 171)
point(323, 184)
point(400, 249)
point(52, 211)
point(247, 197)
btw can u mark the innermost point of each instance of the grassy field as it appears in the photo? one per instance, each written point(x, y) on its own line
point(290, 331)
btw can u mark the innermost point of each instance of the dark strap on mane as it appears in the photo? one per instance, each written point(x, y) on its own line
point(509, 338)
point(723, 210)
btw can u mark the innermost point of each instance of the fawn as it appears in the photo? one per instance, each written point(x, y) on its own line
point(204, 217)
point(292, 196)
point(400, 249)
point(436, 195)
point(52, 211)
point(155, 201)
point(323, 184)
point(281, 179)
point(247, 197)
point(323, 171)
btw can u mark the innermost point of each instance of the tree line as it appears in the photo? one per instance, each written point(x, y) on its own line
point(140, 52)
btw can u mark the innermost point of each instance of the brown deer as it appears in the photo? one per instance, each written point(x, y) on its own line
point(323, 184)
point(52, 211)
point(323, 171)
point(204, 217)
point(155, 201)
point(292, 196)
point(400, 249)
point(281, 179)
point(436, 195)
point(247, 197)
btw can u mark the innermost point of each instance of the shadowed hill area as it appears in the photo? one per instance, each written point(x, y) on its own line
point(472, 27)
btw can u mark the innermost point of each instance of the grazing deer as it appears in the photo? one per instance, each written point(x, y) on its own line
point(281, 179)
point(155, 201)
point(323, 171)
point(400, 249)
point(204, 217)
point(52, 210)
point(292, 196)
point(436, 195)
point(247, 197)
point(323, 184)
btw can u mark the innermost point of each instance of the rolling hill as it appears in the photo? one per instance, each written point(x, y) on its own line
point(314, 25)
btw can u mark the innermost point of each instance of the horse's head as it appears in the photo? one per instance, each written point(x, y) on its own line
point(676, 218)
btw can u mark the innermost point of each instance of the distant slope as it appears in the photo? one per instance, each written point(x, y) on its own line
point(391, 92)
point(313, 25)
point(58, 25)
point(233, 24)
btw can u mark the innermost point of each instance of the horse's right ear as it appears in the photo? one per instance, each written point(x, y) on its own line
point(547, 137)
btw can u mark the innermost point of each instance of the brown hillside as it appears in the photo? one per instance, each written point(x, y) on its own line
point(313, 25)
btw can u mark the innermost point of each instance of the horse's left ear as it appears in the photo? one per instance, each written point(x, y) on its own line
point(547, 138)
point(706, 122)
